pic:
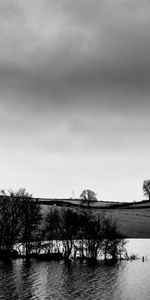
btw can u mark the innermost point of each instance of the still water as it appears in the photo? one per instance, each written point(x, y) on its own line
point(57, 280)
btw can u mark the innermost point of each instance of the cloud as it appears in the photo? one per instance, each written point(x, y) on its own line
point(74, 87)
point(71, 47)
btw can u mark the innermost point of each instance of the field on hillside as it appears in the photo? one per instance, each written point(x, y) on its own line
point(133, 223)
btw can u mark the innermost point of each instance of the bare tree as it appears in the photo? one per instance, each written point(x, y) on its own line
point(10, 221)
point(52, 229)
point(113, 242)
point(93, 235)
point(88, 196)
point(62, 225)
point(69, 230)
point(31, 218)
point(146, 188)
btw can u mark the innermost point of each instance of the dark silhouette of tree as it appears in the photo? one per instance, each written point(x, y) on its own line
point(62, 225)
point(52, 229)
point(10, 221)
point(30, 219)
point(69, 230)
point(88, 196)
point(93, 235)
point(146, 189)
point(112, 239)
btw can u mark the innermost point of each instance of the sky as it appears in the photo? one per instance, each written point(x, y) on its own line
point(75, 97)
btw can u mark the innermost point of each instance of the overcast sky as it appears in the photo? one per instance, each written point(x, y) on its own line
point(75, 97)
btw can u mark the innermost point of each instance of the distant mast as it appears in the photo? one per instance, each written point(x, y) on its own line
point(73, 194)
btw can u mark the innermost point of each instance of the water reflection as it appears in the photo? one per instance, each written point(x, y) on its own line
point(59, 280)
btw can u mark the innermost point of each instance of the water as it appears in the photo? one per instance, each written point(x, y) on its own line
point(39, 280)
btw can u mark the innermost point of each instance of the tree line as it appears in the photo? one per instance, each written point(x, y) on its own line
point(65, 232)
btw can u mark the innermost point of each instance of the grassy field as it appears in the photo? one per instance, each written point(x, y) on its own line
point(134, 222)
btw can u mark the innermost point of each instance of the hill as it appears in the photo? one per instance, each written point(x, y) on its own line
point(133, 218)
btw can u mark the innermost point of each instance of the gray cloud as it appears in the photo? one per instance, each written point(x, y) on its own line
point(74, 86)
point(105, 46)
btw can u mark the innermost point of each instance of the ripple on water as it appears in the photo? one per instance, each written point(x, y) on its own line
point(57, 280)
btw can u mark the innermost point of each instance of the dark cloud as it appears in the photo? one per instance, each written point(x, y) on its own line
point(104, 47)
